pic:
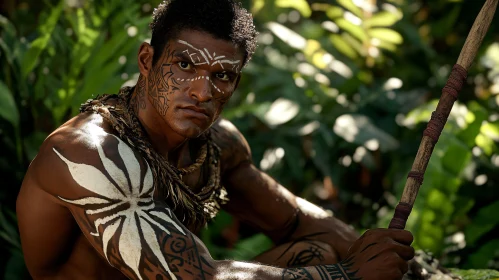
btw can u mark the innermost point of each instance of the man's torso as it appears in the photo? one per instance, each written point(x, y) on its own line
point(61, 250)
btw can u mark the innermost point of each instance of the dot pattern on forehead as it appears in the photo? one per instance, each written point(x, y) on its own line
point(201, 77)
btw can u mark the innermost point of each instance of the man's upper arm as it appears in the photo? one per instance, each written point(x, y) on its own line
point(259, 200)
point(109, 190)
point(255, 197)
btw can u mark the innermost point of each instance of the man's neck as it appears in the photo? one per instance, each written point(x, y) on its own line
point(164, 140)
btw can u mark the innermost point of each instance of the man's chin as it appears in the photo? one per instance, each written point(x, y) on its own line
point(192, 131)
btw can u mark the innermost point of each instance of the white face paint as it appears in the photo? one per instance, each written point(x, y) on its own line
point(200, 57)
point(201, 77)
point(116, 193)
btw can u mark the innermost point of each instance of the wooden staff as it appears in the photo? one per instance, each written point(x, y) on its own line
point(439, 116)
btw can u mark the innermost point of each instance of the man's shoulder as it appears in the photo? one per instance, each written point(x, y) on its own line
point(235, 150)
point(85, 140)
point(79, 134)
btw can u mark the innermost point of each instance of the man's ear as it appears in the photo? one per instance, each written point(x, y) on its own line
point(144, 57)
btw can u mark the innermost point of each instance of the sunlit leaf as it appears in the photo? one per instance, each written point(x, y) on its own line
point(257, 6)
point(456, 158)
point(37, 46)
point(383, 18)
point(281, 111)
point(386, 34)
point(292, 38)
point(342, 46)
point(349, 5)
point(356, 30)
point(490, 130)
point(334, 12)
point(300, 5)
point(486, 143)
point(359, 129)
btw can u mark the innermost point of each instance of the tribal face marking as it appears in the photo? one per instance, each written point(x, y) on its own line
point(201, 77)
point(200, 57)
point(126, 201)
point(203, 57)
point(162, 84)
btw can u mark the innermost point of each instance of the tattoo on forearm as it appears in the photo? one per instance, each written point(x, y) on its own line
point(296, 274)
point(304, 257)
point(325, 272)
point(135, 234)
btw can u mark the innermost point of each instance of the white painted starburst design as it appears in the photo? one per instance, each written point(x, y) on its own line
point(126, 202)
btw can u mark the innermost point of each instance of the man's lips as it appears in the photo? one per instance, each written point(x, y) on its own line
point(196, 112)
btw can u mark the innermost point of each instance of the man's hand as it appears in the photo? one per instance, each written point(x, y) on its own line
point(380, 254)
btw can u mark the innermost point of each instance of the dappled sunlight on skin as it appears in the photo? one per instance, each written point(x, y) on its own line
point(227, 125)
point(312, 210)
point(241, 270)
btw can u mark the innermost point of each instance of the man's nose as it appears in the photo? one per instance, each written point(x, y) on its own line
point(201, 89)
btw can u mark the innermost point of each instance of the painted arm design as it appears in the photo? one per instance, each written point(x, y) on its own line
point(125, 221)
point(141, 237)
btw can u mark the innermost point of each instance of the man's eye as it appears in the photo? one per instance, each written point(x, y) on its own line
point(222, 76)
point(185, 65)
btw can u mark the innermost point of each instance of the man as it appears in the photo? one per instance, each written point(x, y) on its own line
point(121, 189)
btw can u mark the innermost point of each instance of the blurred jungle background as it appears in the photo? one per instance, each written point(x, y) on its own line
point(333, 104)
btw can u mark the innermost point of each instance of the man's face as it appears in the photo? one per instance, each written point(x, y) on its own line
point(195, 76)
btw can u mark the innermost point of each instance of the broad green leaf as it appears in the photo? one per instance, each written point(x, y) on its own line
point(257, 6)
point(476, 116)
point(383, 18)
point(386, 34)
point(349, 5)
point(37, 46)
point(446, 23)
point(342, 46)
point(484, 221)
point(486, 253)
point(15, 268)
point(355, 30)
point(486, 143)
point(476, 274)
point(7, 26)
point(8, 108)
point(300, 5)
point(456, 158)
point(490, 130)
point(387, 46)
point(334, 12)
point(359, 129)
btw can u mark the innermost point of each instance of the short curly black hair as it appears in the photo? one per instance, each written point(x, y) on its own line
point(223, 19)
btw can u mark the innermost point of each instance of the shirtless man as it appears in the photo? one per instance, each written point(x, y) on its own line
point(121, 190)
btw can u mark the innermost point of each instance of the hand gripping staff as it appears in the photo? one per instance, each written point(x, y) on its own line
point(439, 116)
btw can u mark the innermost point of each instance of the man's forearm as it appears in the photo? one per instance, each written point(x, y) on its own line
point(240, 270)
point(315, 224)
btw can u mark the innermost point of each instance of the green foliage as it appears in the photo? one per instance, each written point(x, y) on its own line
point(333, 105)
point(474, 274)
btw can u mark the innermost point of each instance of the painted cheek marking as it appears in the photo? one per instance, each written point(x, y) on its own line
point(201, 77)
